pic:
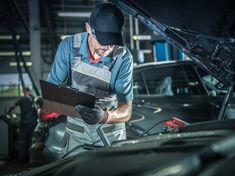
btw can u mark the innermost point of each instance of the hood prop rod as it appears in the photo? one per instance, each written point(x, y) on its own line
point(224, 105)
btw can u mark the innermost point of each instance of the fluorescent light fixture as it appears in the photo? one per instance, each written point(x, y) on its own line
point(141, 37)
point(74, 14)
point(146, 51)
point(26, 53)
point(12, 53)
point(8, 37)
point(14, 64)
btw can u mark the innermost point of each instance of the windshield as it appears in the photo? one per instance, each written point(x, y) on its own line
point(168, 81)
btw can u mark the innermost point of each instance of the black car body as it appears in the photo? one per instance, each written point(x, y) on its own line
point(204, 30)
point(173, 89)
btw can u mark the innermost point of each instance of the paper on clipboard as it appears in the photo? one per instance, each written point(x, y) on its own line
point(63, 99)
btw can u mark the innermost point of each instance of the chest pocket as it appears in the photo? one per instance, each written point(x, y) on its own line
point(90, 79)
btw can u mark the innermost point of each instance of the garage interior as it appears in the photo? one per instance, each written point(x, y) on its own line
point(31, 31)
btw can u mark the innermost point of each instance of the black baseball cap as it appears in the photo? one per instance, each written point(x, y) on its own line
point(107, 21)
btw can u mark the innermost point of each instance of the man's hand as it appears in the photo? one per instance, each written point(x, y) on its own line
point(92, 115)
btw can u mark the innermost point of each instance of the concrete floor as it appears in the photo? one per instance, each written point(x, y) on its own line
point(12, 168)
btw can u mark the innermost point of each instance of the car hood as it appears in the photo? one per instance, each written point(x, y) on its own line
point(204, 30)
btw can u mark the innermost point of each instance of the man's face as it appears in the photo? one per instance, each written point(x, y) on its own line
point(99, 49)
point(26, 92)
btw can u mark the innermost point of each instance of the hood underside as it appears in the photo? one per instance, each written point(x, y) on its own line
point(204, 30)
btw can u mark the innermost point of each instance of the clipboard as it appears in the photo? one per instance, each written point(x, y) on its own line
point(63, 100)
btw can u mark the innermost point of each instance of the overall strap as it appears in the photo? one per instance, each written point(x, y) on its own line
point(118, 52)
point(118, 56)
point(77, 40)
point(118, 60)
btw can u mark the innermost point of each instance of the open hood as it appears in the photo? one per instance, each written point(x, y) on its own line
point(203, 29)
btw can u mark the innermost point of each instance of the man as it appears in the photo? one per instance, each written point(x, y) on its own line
point(28, 121)
point(98, 63)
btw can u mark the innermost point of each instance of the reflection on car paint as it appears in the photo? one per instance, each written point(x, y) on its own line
point(155, 109)
point(138, 120)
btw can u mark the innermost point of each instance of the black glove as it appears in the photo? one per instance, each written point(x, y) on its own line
point(92, 115)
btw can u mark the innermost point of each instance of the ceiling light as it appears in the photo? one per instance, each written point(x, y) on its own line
point(12, 53)
point(141, 37)
point(146, 51)
point(13, 64)
point(8, 37)
point(74, 14)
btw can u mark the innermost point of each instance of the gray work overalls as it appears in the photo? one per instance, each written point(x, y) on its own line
point(93, 80)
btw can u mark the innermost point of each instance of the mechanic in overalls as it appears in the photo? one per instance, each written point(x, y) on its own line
point(98, 63)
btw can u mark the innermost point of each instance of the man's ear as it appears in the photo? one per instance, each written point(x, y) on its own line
point(88, 29)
